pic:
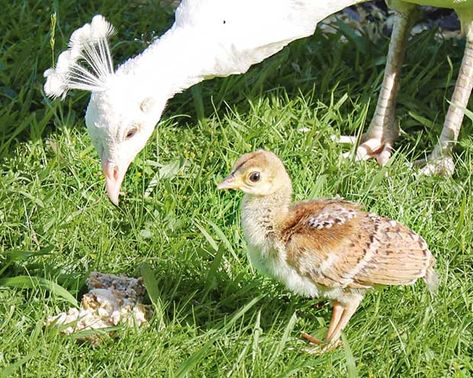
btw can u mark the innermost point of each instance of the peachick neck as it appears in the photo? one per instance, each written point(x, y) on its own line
point(273, 207)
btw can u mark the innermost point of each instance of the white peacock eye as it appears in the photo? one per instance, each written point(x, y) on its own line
point(131, 132)
point(146, 104)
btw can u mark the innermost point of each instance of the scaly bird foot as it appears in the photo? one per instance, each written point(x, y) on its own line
point(318, 346)
point(369, 148)
point(443, 166)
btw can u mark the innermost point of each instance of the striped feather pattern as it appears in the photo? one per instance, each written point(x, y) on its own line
point(338, 245)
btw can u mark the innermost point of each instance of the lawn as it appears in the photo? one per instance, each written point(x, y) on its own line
point(217, 316)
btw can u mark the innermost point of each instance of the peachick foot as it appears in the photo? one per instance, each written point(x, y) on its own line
point(311, 339)
point(323, 347)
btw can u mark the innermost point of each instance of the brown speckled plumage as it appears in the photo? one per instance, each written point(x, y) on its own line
point(323, 247)
point(366, 249)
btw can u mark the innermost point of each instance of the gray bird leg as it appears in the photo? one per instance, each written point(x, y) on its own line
point(440, 160)
point(378, 141)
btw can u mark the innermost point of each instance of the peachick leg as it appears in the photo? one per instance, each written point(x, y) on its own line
point(378, 141)
point(341, 314)
point(311, 339)
point(440, 160)
point(348, 310)
point(337, 313)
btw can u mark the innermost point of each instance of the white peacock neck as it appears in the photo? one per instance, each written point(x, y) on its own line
point(176, 61)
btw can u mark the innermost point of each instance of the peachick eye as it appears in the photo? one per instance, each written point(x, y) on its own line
point(255, 177)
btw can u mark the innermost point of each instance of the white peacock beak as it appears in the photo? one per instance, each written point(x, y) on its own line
point(114, 175)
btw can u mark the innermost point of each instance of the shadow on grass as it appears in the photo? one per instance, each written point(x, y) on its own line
point(311, 66)
point(209, 300)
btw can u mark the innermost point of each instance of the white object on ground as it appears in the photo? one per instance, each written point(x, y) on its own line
point(111, 300)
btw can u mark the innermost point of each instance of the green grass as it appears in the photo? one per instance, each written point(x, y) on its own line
point(216, 316)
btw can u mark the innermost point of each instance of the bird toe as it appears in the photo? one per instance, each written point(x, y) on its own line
point(372, 148)
point(443, 166)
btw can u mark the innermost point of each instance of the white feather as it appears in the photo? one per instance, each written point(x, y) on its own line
point(87, 45)
point(209, 38)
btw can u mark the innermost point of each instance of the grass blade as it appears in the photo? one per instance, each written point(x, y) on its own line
point(18, 255)
point(27, 282)
point(350, 360)
point(151, 285)
point(207, 236)
point(224, 240)
point(284, 339)
point(186, 367)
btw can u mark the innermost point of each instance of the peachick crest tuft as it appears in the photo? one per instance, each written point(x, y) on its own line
point(86, 64)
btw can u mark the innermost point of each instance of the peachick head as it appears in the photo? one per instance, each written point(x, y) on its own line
point(259, 173)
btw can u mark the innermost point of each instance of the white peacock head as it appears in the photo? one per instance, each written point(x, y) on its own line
point(121, 114)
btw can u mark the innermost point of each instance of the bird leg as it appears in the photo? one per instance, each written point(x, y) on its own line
point(311, 339)
point(341, 314)
point(337, 313)
point(440, 160)
point(378, 141)
point(349, 309)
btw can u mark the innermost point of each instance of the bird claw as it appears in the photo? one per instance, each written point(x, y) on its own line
point(344, 139)
point(311, 339)
point(443, 166)
point(318, 346)
point(315, 350)
point(368, 149)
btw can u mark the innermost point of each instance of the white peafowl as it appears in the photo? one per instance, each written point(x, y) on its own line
point(212, 38)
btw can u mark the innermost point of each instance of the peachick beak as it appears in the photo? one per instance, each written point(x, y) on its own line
point(229, 183)
point(114, 176)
